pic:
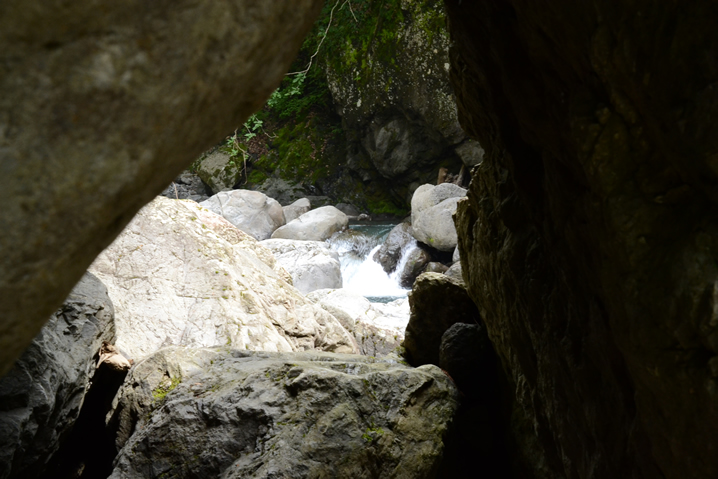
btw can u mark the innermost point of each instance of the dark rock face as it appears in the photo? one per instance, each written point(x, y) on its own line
point(41, 396)
point(415, 263)
point(436, 304)
point(466, 354)
point(102, 106)
point(589, 235)
point(390, 252)
point(400, 115)
point(187, 186)
point(214, 412)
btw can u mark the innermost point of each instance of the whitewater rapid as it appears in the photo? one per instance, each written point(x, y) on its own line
point(360, 273)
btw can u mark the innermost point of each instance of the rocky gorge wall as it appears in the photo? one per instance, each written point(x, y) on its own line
point(588, 240)
point(373, 118)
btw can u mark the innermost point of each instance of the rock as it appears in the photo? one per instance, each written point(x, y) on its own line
point(311, 264)
point(436, 303)
point(435, 267)
point(259, 415)
point(347, 209)
point(315, 225)
point(101, 108)
point(455, 273)
point(111, 356)
point(251, 211)
point(466, 354)
point(181, 274)
point(41, 396)
point(219, 170)
point(282, 191)
point(186, 186)
point(377, 328)
point(398, 240)
point(431, 215)
point(470, 152)
point(456, 257)
point(589, 236)
point(416, 261)
point(318, 200)
point(402, 123)
point(296, 209)
point(353, 243)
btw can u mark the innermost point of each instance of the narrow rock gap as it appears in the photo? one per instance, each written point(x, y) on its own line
point(89, 450)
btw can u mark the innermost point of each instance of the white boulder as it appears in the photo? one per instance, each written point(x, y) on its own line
point(296, 209)
point(378, 328)
point(432, 208)
point(251, 211)
point(312, 264)
point(315, 225)
point(181, 275)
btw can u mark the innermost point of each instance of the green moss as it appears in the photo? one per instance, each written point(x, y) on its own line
point(161, 391)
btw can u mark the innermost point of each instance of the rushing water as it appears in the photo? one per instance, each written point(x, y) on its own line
point(360, 273)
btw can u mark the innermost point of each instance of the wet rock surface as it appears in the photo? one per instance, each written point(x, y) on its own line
point(589, 234)
point(235, 414)
point(396, 242)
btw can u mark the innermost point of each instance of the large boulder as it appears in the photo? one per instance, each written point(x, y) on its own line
point(103, 104)
point(436, 302)
point(315, 225)
point(590, 233)
point(219, 170)
point(296, 209)
point(251, 211)
point(399, 238)
point(41, 396)
point(432, 208)
point(187, 413)
point(377, 328)
point(180, 274)
point(311, 264)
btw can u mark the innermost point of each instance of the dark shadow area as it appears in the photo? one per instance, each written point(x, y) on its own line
point(89, 451)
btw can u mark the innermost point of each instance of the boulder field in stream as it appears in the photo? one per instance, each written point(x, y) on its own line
point(226, 413)
point(182, 275)
point(589, 238)
point(103, 105)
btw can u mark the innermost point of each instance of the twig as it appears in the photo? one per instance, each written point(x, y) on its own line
point(311, 59)
point(175, 185)
point(350, 9)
